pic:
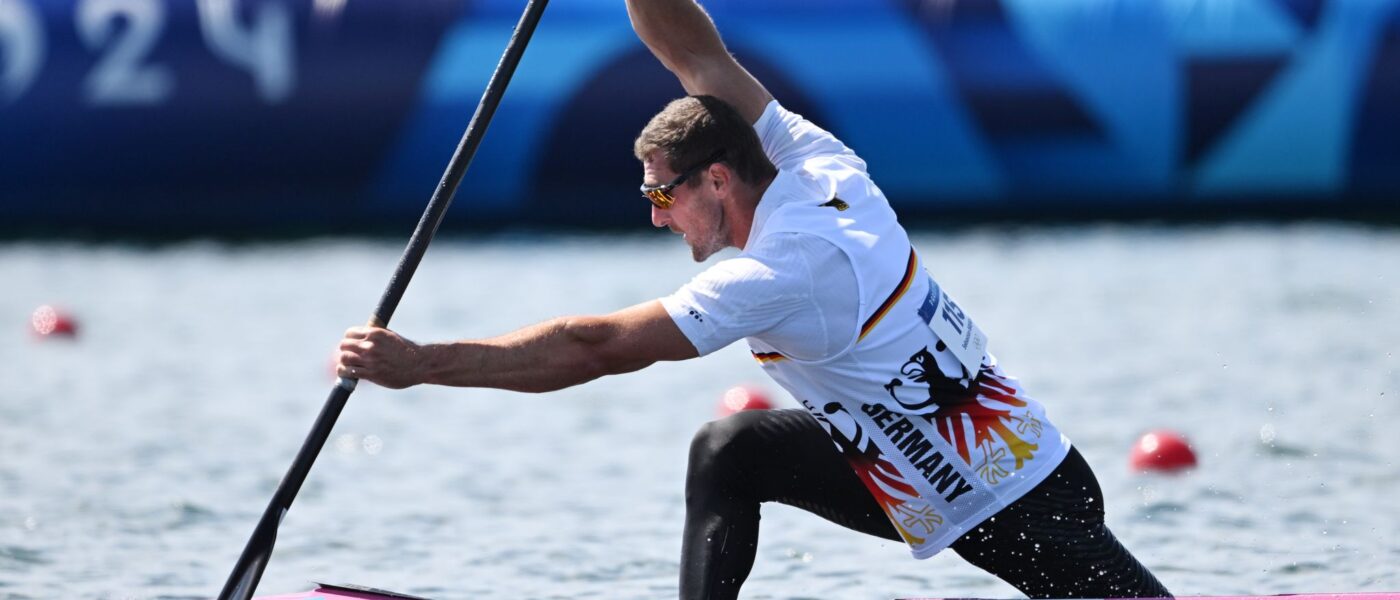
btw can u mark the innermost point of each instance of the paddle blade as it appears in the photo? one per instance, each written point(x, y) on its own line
point(243, 581)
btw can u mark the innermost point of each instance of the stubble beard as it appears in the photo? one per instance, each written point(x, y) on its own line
point(702, 249)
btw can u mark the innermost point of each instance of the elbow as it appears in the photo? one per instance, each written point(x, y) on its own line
point(680, 62)
point(692, 66)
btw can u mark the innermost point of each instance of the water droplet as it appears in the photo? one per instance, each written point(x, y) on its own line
point(806, 557)
point(30, 523)
point(373, 445)
point(1267, 434)
point(347, 443)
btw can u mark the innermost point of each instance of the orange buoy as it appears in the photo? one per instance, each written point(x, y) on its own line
point(1162, 451)
point(50, 322)
point(743, 397)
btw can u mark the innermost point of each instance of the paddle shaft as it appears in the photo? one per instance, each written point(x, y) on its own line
point(243, 580)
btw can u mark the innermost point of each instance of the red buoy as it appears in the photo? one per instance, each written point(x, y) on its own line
point(1162, 451)
point(50, 322)
point(743, 397)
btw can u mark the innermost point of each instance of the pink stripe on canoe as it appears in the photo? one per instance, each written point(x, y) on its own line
point(337, 593)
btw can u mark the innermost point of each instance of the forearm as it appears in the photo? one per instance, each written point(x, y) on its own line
point(549, 356)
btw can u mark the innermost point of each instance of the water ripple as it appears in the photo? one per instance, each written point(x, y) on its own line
point(140, 475)
point(19, 558)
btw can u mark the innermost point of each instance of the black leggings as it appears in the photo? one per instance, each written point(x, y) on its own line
point(1051, 543)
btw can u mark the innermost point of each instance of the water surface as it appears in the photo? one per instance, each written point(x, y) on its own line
point(135, 460)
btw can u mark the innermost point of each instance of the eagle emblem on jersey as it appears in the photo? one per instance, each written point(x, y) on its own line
point(982, 405)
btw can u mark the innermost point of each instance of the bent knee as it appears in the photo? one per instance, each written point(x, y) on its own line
point(724, 438)
point(727, 448)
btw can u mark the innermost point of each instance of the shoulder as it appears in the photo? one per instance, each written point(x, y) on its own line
point(794, 143)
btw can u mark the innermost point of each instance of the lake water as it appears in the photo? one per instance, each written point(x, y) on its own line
point(135, 459)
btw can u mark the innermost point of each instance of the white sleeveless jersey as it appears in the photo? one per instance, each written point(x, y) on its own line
point(939, 445)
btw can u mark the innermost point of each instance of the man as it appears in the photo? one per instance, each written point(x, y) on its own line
point(934, 444)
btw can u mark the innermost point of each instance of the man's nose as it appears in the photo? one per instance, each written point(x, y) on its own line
point(658, 217)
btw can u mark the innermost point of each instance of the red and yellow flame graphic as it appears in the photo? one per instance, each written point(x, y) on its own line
point(970, 406)
point(894, 495)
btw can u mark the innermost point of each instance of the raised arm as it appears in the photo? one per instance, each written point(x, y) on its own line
point(681, 35)
point(549, 356)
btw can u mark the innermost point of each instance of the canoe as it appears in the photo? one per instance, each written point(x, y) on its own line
point(355, 592)
point(1302, 596)
point(327, 591)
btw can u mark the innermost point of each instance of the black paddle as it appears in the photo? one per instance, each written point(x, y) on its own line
point(245, 576)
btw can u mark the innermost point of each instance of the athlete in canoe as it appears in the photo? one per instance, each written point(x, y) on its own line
point(910, 430)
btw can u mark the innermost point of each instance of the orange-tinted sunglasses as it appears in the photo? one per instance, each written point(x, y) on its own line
point(660, 195)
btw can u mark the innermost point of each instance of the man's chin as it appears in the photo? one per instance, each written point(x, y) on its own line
point(701, 251)
point(702, 254)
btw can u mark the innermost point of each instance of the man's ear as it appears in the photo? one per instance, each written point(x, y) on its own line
point(720, 176)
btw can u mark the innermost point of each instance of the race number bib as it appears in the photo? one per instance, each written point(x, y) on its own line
point(955, 328)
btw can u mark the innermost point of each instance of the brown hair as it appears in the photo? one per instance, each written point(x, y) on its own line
point(691, 129)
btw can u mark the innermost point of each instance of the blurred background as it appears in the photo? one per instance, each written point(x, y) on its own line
point(1171, 215)
point(243, 117)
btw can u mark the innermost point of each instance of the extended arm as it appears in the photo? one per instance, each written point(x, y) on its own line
point(685, 40)
point(556, 354)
